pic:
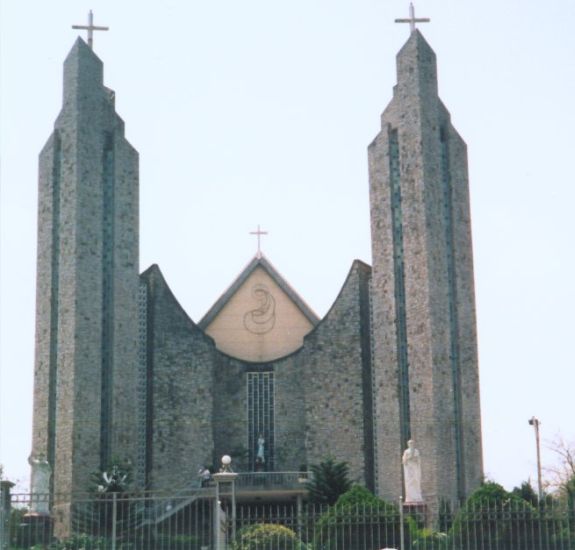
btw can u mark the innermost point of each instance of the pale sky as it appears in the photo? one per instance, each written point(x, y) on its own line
point(260, 112)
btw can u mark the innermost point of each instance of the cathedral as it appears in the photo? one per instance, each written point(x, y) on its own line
point(122, 371)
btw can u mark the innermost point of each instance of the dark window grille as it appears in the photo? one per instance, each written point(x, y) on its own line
point(260, 388)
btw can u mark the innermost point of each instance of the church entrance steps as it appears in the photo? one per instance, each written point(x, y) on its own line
point(250, 486)
point(166, 507)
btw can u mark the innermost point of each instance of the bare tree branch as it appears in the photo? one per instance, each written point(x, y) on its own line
point(563, 471)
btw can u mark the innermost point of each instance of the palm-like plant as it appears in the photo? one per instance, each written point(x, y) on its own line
point(329, 480)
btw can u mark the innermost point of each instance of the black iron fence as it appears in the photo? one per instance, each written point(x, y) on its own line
point(194, 521)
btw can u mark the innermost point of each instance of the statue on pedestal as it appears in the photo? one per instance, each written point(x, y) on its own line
point(40, 484)
point(412, 474)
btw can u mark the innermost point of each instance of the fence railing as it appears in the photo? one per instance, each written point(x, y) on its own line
point(140, 522)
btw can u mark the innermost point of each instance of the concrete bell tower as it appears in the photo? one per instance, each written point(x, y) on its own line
point(87, 283)
point(425, 350)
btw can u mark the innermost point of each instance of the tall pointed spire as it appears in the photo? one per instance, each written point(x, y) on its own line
point(417, 67)
point(83, 74)
point(425, 353)
point(87, 300)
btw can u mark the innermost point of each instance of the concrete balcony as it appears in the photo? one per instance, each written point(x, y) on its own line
point(271, 485)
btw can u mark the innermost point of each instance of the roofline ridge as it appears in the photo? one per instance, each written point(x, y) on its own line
point(265, 263)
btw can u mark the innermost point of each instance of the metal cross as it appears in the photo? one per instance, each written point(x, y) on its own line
point(90, 27)
point(259, 233)
point(412, 19)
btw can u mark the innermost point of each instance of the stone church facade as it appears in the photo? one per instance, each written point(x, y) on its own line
point(122, 371)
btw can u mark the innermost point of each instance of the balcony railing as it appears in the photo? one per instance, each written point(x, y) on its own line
point(272, 480)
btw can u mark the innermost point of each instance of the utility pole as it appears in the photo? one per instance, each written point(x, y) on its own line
point(535, 423)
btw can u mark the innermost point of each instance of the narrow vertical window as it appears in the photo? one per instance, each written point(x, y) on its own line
point(108, 211)
point(261, 434)
point(399, 286)
point(141, 462)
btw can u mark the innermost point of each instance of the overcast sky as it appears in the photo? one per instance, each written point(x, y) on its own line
point(260, 112)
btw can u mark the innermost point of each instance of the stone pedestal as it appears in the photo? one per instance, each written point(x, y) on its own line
point(225, 487)
point(36, 529)
point(418, 511)
point(5, 507)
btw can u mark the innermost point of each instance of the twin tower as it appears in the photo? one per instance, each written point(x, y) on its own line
point(123, 373)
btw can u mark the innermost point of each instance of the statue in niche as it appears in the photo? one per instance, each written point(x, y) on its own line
point(260, 455)
point(40, 484)
point(412, 473)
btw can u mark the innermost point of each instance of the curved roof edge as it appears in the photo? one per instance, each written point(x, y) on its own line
point(155, 271)
point(356, 264)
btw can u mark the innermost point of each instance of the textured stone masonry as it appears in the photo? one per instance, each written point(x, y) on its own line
point(395, 357)
point(443, 391)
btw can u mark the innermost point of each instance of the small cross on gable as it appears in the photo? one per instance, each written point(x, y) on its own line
point(259, 233)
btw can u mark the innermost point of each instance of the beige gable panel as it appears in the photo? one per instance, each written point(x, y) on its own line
point(259, 322)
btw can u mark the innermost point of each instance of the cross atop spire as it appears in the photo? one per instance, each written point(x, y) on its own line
point(259, 233)
point(90, 27)
point(412, 19)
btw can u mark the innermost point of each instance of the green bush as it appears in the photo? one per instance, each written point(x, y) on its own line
point(175, 542)
point(425, 539)
point(361, 520)
point(84, 542)
point(492, 517)
point(267, 536)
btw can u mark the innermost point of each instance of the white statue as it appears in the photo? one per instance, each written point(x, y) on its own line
point(260, 456)
point(412, 473)
point(40, 484)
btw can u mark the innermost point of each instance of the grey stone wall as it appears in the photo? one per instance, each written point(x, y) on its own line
point(438, 313)
point(230, 405)
point(72, 231)
point(339, 395)
point(198, 395)
point(290, 413)
point(181, 389)
point(231, 422)
point(465, 289)
point(333, 361)
point(46, 300)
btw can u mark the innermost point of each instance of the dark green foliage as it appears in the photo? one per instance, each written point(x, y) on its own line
point(358, 495)
point(569, 493)
point(426, 539)
point(175, 542)
point(493, 518)
point(76, 542)
point(527, 493)
point(329, 480)
point(490, 491)
point(115, 478)
point(267, 536)
point(360, 520)
point(445, 517)
point(110, 490)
